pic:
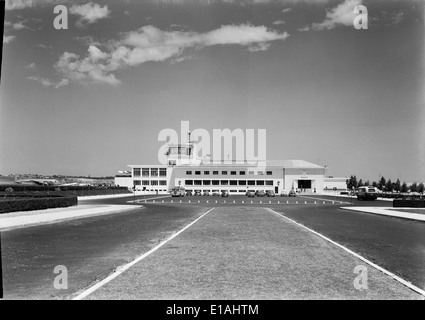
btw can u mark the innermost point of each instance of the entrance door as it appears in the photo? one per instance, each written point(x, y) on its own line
point(304, 184)
point(276, 189)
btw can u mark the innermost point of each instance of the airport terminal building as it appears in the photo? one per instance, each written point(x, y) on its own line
point(185, 169)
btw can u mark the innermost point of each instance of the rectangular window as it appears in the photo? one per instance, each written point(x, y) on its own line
point(251, 173)
point(260, 173)
point(260, 182)
point(215, 173)
point(137, 182)
point(233, 173)
point(145, 182)
point(269, 173)
point(251, 182)
point(242, 173)
point(188, 182)
point(136, 172)
point(163, 182)
point(242, 182)
point(215, 182)
point(233, 182)
point(269, 182)
point(224, 173)
point(145, 172)
point(154, 182)
point(188, 173)
point(197, 173)
point(224, 182)
point(206, 182)
point(206, 173)
point(163, 172)
point(154, 172)
point(197, 182)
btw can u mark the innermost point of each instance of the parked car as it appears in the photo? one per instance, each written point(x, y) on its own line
point(189, 193)
point(284, 193)
point(216, 193)
point(177, 192)
point(197, 193)
point(292, 193)
point(260, 193)
point(206, 193)
point(270, 193)
point(250, 194)
point(367, 193)
point(224, 193)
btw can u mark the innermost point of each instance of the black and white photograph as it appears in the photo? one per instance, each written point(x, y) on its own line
point(212, 154)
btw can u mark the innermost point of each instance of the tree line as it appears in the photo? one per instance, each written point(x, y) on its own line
point(385, 185)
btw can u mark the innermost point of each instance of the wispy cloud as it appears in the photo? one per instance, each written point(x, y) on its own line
point(89, 13)
point(286, 10)
point(152, 44)
point(342, 14)
point(278, 22)
point(31, 66)
point(47, 83)
point(8, 39)
point(16, 25)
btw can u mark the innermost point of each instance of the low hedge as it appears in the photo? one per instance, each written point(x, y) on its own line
point(13, 205)
point(30, 187)
point(413, 203)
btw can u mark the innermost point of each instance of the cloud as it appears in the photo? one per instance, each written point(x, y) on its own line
point(8, 39)
point(18, 4)
point(89, 13)
point(149, 44)
point(286, 10)
point(277, 22)
point(31, 66)
point(48, 83)
point(343, 14)
point(15, 26)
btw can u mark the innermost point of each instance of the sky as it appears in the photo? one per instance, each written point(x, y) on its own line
point(92, 98)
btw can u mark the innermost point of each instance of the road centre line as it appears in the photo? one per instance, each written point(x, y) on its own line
point(123, 268)
point(392, 275)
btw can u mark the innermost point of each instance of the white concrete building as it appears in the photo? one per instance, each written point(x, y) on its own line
point(187, 170)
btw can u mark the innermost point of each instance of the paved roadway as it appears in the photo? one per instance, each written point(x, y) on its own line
point(92, 248)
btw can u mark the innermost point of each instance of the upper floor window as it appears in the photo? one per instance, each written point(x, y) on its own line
point(136, 172)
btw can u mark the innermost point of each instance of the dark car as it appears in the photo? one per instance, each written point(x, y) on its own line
point(270, 193)
point(177, 192)
point(189, 193)
point(224, 193)
point(250, 194)
point(206, 193)
point(197, 193)
point(292, 193)
point(260, 193)
point(367, 193)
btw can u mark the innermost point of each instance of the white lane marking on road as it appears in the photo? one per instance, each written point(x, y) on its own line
point(143, 200)
point(392, 275)
point(328, 200)
point(129, 265)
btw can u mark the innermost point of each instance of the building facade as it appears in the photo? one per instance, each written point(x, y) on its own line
point(185, 169)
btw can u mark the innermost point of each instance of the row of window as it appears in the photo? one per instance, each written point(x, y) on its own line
point(232, 173)
point(241, 191)
point(154, 172)
point(228, 182)
point(150, 182)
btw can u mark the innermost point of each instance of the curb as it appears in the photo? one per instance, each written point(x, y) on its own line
point(383, 212)
point(64, 219)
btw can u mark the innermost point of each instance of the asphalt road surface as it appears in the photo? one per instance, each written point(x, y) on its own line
point(91, 248)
